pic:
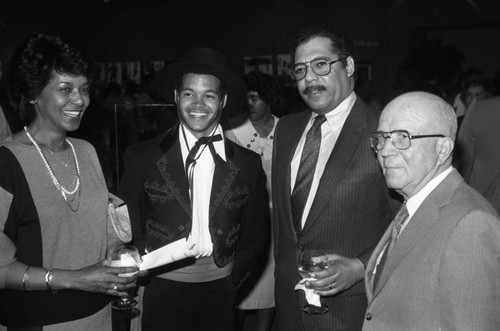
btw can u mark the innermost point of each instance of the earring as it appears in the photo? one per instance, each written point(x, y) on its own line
point(32, 101)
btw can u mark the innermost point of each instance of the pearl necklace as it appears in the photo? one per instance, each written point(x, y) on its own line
point(58, 185)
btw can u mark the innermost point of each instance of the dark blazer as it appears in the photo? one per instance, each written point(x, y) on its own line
point(443, 272)
point(349, 214)
point(155, 188)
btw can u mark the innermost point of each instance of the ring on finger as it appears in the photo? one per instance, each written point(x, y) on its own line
point(115, 288)
point(330, 286)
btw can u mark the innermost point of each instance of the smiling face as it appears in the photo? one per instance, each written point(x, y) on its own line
point(61, 103)
point(408, 171)
point(199, 103)
point(324, 93)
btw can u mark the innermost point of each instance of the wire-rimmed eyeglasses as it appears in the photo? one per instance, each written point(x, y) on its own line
point(321, 67)
point(401, 139)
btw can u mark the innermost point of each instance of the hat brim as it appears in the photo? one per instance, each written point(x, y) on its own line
point(167, 77)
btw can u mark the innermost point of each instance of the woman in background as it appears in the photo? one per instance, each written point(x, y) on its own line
point(53, 200)
point(255, 130)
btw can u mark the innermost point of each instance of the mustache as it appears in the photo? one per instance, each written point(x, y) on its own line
point(314, 88)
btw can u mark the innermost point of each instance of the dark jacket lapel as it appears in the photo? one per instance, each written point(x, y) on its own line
point(291, 132)
point(171, 167)
point(224, 175)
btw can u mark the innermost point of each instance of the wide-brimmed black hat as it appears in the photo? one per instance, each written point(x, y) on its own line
point(202, 60)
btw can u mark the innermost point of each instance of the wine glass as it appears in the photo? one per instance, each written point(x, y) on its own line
point(124, 256)
point(311, 261)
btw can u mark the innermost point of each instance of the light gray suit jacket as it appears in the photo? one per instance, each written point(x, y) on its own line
point(444, 271)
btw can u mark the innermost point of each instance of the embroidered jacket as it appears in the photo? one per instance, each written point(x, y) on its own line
point(155, 189)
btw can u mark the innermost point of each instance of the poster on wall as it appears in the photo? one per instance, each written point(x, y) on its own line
point(123, 72)
point(157, 65)
point(263, 63)
point(114, 72)
point(133, 71)
point(101, 71)
point(150, 67)
point(283, 63)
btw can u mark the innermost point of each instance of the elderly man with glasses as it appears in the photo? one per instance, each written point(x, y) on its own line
point(437, 266)
point(328, 191)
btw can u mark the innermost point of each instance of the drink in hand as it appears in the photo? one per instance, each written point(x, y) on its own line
point(311, 261)
point(126, 259)
point(124, 256)
point(312, 265)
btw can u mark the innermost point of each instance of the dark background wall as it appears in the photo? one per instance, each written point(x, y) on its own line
point(406, 43)
point(384, 31)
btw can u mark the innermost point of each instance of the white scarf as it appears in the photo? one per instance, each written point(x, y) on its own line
point(199, 241)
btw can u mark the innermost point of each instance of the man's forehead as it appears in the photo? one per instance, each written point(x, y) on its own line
point(191, 79)
point(200, 75)
point(317, 47)
point(406, 117)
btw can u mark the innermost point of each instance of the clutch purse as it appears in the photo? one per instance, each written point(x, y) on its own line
point(118, 220)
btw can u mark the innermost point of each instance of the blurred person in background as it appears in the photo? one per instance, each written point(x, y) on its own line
point(255, 130)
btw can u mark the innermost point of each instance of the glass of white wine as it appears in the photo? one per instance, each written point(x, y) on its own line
point(311, 261)
point(124, 256)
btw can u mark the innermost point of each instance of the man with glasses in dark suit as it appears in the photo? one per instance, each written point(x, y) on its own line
point(328, 190)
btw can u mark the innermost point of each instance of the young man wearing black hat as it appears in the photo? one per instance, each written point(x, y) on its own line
point(192, 183)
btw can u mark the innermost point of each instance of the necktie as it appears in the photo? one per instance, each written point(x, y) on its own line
point(305, 174)
point(191, 158)
point(399, 220)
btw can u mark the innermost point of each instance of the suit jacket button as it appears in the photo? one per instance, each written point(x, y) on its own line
point(219, 232)
point(181, 228)
point(368, 316)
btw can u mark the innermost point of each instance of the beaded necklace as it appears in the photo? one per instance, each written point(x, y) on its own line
point(56, 182)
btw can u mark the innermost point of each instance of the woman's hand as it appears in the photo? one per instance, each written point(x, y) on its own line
point(101, 278)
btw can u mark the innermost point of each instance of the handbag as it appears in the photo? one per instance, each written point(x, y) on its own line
point(119, 227)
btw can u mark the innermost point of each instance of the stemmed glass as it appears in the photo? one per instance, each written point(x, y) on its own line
point(124, 256)
point(311, 261)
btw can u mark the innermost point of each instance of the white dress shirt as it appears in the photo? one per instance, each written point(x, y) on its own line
point(330, 131)
point(199, 239)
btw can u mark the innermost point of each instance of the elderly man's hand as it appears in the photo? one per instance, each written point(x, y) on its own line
point(340, 275)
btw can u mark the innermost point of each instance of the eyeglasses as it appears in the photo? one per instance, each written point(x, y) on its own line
point(320, 67)
point(401, 139)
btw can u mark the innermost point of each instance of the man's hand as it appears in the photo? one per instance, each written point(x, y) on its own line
point(341, 274)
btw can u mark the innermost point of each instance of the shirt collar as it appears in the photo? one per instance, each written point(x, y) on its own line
point(344, 107)
point(415, 201)
point(191, 140)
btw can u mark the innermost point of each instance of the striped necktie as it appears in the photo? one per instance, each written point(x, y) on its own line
point(399, 220)
point(305, 174)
